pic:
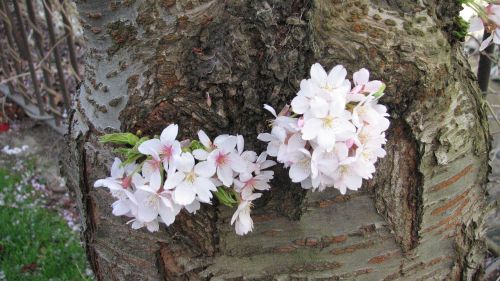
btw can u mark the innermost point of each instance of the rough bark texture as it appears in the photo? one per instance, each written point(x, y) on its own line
point(150, 63)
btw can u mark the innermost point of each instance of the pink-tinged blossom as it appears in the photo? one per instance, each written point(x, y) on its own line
point(363, 86)
point(162, 151)
point(226, 159)
point(153, 201)
point(121, 184)
point(246, 184)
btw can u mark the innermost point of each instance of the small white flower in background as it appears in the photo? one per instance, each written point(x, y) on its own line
point(490, 19)
point(177, 175)
point(14, 150)
point(336, 132)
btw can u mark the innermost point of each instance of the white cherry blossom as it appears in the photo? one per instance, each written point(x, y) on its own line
point(241, 219)
point(121, 184)
point(327, 129)
point(192, 181)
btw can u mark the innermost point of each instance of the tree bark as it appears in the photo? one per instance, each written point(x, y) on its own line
point(151, 63)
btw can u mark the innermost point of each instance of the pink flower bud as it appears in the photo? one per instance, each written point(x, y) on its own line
point(300, 122)
point(349, 143)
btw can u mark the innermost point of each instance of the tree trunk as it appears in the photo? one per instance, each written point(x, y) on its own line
point(151, 63)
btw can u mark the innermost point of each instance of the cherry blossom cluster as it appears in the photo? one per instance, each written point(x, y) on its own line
point(180, 175)
point(333, 133)
point(488, 18)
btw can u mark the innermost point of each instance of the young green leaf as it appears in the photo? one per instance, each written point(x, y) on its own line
point(380, 92)
point(196, 145)
point(225, 197)
point(120, 138)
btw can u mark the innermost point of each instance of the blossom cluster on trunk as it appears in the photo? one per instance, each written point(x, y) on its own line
point(333, 133)
point(182, 175)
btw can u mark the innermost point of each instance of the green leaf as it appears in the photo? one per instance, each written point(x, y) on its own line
point(133, 153)
point(193, 146)
point(225, 197)
point(196, 145)
point(122, 150)
point(120, 138)
point(131, 159)
point(380, 92)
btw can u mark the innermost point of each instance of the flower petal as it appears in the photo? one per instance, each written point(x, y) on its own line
point(168, 214)
point(184, 194)
point(227, 145)
point(311, 128)
point(202, 187)
point(240, 143)
point(147, 213)
point(299, 172)
point(193, 207)
point(237, 163)
point(267, 137)
point(116, 169)
point(200, 154)
point(205, 169)
point(336, 76)
point(169, 133)
point(326, 139)
point(476, 24)
point(173, 180)
point(318, 74)
point(155, 180)
point(204, 139)
point(225, 174)
point(361, 77)
point(319, 107)
point(120, 207)
point(300, 104)
point(485, 43)
point(270, 109)
point(185, 162)
point(151, 147)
